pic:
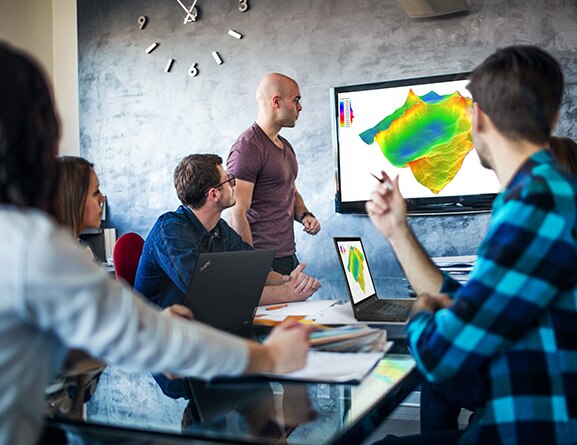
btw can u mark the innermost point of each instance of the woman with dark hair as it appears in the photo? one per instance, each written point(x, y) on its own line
point(53, 298)
point(79, 201)
point(29, 123)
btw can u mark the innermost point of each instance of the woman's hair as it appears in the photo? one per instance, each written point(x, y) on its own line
point(29, 133)
point(73, 185)
point(565, 151)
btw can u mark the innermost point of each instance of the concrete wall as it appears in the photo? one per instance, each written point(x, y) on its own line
point(137, 121)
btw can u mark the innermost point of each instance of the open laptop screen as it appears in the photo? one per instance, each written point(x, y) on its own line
point(355, 268)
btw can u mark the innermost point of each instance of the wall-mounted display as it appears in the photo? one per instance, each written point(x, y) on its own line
point(418, 129)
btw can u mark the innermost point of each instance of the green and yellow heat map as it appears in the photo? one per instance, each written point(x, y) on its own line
point(430, 134)
point(356, 266)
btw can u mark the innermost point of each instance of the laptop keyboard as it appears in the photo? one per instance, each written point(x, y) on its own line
point(388, 311)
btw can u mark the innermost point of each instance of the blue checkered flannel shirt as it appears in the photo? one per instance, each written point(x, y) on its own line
point(515, 321)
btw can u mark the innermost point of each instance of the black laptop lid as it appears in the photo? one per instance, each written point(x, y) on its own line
point(226, 287)
point(355, 267)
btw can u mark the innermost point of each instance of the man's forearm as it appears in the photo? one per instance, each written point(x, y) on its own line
point(274, 294)
point(259, 359)
point(299, 207)
point(239, 222)
point(422, 273)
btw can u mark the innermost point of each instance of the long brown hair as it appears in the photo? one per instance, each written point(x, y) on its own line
point(29, 132)
point(73, 184)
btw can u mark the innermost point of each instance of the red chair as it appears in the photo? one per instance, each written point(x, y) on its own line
point(126, 255)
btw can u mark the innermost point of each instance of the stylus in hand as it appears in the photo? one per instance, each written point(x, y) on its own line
point(382, 181)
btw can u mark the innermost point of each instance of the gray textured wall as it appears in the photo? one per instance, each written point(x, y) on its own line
point(137, 121)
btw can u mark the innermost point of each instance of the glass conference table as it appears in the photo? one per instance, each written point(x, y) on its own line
point(130, 408)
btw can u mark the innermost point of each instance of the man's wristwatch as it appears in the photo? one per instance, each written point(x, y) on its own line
point(305, 214)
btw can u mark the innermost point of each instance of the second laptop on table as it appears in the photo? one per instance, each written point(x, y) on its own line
point(367, 306)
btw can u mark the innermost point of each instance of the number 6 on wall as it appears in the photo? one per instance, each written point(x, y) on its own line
point(193, 71)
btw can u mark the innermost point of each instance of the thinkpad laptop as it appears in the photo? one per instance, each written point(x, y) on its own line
point(226, 287)
point(364, 300)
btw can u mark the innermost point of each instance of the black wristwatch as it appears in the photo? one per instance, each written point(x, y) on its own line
point(305, 214)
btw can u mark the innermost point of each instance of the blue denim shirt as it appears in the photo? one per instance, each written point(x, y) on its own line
point(171, 251)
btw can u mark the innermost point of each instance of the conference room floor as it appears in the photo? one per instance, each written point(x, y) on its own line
point(405, 420)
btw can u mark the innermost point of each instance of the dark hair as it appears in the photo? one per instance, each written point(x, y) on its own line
point(520, 89)
point(194, 176)
point(565, 151)
point(73, 184)
point(29, 133)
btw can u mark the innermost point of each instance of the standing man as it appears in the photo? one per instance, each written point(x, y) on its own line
point(266, 168)
point(515, 321)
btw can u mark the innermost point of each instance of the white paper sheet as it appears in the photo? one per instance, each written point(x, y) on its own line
point(338, 367)
point(306, 308)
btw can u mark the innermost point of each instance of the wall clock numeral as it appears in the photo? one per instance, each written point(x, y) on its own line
point(142, 21)
point(193, 71)
point(243, 5)
point(151, 48)
point(234, 34)
point(216, 58)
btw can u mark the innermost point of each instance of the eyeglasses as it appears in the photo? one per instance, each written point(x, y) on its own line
point(231, 179)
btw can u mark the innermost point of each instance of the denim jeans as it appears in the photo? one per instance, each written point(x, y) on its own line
point(441, 403)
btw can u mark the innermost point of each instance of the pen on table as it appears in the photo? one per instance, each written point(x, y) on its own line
point(278, 306)
point(388, 185)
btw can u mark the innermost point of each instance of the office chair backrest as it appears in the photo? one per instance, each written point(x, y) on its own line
point(126, 255)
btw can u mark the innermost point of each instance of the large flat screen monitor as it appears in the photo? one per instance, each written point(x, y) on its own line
point(419, 129)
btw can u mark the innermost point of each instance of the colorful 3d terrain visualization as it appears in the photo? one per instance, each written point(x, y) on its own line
point(356, 266)
point(431, 134)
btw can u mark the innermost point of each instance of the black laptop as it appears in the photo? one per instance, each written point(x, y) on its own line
point(226, 287)
point(367, 306)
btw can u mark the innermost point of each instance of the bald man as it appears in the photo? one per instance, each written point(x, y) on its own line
point(265, 166)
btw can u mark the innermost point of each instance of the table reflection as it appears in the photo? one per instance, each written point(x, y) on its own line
point(250, 411)
point(259, 411)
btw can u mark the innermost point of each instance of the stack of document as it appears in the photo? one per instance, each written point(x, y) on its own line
point(348, 338)
point(457, 267)
point(358, 338)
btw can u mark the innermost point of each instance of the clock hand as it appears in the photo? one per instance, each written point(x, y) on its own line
point(189, 15)
point(183, 7)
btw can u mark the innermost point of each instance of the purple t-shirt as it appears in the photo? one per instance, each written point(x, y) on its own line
point(255, 158)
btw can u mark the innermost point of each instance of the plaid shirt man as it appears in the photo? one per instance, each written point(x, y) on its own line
point(515, 321)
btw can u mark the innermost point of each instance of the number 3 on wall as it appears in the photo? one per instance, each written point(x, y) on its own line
point(242, 5)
